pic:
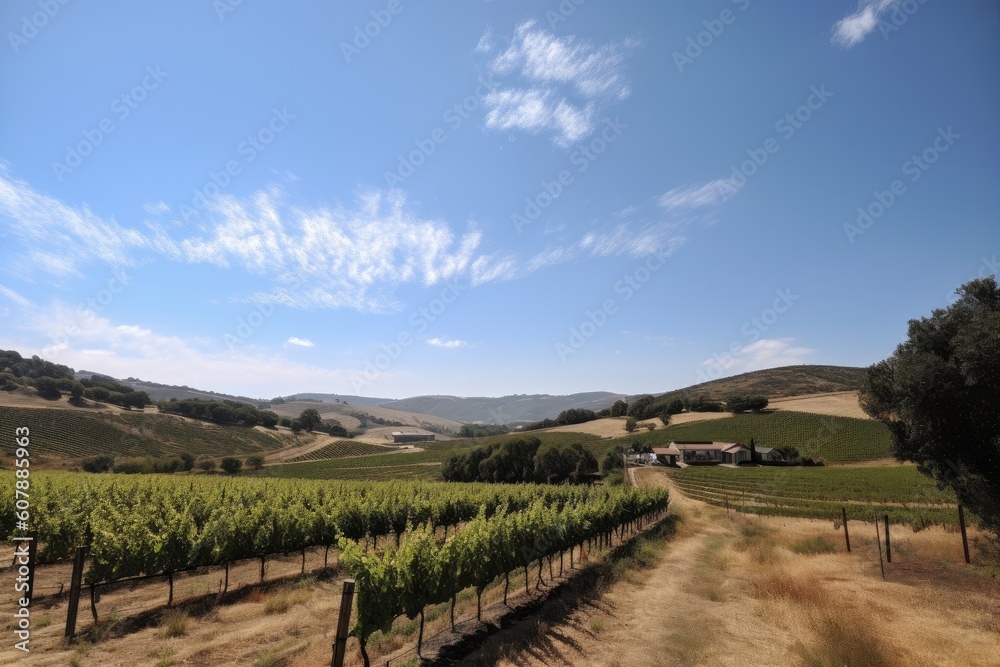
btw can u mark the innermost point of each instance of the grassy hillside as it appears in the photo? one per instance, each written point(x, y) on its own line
point(904, 494)
point(505, 409)
point(419, 465)
point(345, 414)
point(835, 439)
point(775, 383)
point(76, 432)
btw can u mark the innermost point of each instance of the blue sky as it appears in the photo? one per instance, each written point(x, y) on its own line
point(395, 198)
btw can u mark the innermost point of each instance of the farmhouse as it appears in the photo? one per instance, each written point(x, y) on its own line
point(412, 436)
point(712, 452)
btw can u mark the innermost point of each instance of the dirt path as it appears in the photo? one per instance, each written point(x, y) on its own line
point(732, 591)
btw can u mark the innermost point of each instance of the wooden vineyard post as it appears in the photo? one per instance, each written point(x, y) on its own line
point(881, 564)
point(965, 538)
point(343, 624)
point(888, 544)
point(74, 590)
point(847, 535)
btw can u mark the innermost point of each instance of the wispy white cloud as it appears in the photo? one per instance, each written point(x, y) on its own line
point(560, 82)
point(60, 238)
point(765, 353)
point(313, 257)
point(322, 257)
point(689, 197)
point(125, 349)
point(156, 208)
point(439, 342)
point(14, 296)
point(853, 28)
point(299, 342)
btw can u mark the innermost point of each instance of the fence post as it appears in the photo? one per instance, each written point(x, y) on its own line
point(888, 544)
point(343, 624)
point(74, 590)
point(881, 564)
point(965, 538)
point(847, 535)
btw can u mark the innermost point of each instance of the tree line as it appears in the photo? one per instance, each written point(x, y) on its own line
point(521, 460)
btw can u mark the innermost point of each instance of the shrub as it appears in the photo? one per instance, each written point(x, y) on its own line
point(231, 465)
point(98, 463)
point(255, 462)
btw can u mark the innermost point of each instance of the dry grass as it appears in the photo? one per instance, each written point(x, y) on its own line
point(174, 623)
point(281, 601)
point(778, 586)
point(849, 640)
point(837, 404)
point(758, 540)
point(814, 544)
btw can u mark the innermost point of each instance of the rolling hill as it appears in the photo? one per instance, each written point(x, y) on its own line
point(348, 415)
point(775, 383)
point(518, 408)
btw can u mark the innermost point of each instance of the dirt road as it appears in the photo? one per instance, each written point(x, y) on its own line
point(739, 591)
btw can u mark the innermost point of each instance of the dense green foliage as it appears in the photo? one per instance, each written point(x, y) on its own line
point(521, 460)
point(13, 363)
point(220, 412)
point(939, 396)
point(820, 493)
point(138, 525)
point(51, 380)
point(571, 416)
point(424, 571)
point(643, 408)
point(702, 404)
point(737, 403)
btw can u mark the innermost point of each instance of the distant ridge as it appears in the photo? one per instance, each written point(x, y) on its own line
point(514, 409)
point(775, 383)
